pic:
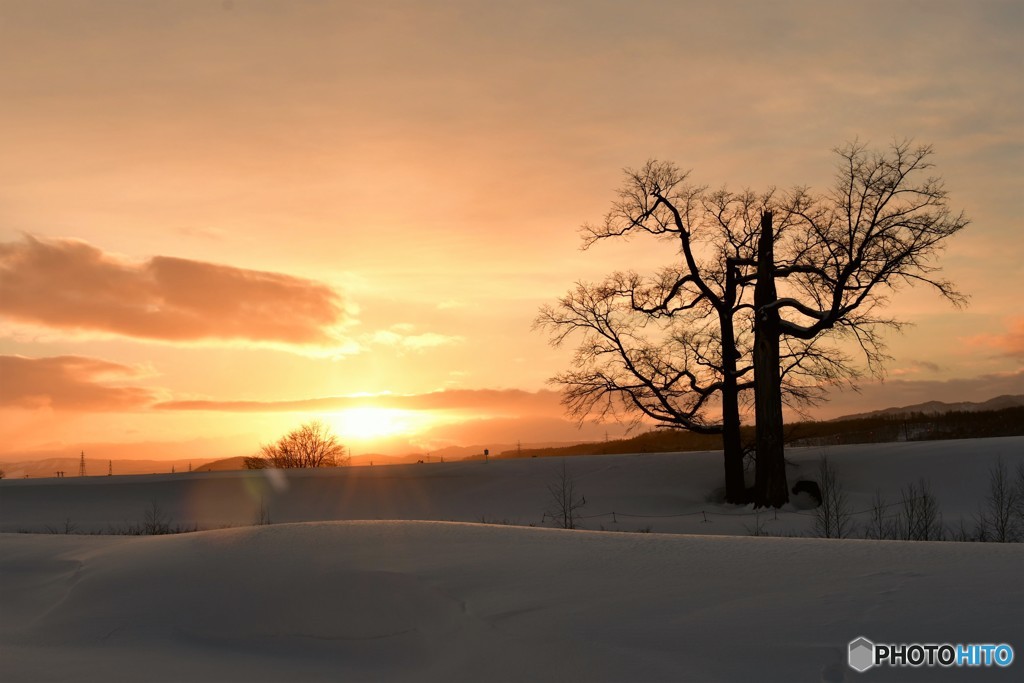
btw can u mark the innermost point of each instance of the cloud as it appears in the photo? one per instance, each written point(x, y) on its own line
point(1009, 343)
point(71, 285)
point(914, 367)
point(495, 402)
point(401, 337)
point(69, 383)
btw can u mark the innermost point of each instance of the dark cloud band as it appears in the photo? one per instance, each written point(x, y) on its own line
point(70, 383)
point(72, 285)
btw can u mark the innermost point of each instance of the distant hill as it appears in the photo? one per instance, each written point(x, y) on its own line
point(1001, 416)
point(49, 467)
point(507, 450)
point(449, 453)
point(938, 407)
point(225, 464)
point(238, 463)
point(658, 440)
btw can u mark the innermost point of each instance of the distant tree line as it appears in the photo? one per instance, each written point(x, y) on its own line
point(879, 429)
point(910, 427)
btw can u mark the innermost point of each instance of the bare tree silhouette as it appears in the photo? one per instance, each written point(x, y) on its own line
point(676, 347)
point(836, 258)
point(565, 500)
point(766, 288)
point(312, 444)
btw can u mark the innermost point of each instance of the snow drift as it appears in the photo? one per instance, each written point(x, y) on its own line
point(444, 601)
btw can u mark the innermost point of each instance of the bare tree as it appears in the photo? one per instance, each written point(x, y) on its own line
point(919, 519)
point(829, 263)
point(832, 517)
point(565, 500)
point(663, 347)
point(880, 526)
point(802, 272)
point(1019, 509)
point(674, 348)
point(999, 521)
point(154, 521)
point(312, 444)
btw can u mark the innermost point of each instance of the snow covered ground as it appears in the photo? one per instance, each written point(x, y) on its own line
point(310, 599)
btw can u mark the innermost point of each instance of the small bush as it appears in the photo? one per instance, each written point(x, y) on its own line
point(154, 523)
point(263, 515)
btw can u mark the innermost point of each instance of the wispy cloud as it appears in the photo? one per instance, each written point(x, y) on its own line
point(511, 402)
point(72, 285)
point(70, 383)
point(1009, 343)
point(915, 367)
point(404, 337)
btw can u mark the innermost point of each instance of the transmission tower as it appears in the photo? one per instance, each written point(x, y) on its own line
point(81, 465)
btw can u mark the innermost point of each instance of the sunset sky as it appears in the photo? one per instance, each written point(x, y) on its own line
point(220, 219)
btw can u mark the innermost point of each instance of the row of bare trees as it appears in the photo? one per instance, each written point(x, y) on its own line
point(760, 304)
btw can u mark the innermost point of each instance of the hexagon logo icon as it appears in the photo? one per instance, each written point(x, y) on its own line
point(862, 654)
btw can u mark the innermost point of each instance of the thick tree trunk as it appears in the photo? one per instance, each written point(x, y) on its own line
point(770, 487)
point(732, 445)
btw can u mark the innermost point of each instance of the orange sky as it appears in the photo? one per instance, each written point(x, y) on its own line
point(220, 218)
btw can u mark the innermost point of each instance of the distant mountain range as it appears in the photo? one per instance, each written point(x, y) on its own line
point(49, 467)
point(938, 407)
point(450, 453)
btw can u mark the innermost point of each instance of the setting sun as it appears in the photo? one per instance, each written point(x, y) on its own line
point(374, 423)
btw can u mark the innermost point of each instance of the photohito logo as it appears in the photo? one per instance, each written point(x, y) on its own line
point(864, 654)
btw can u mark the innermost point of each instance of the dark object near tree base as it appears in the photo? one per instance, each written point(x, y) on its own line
point(809, 487)
point(748, 495)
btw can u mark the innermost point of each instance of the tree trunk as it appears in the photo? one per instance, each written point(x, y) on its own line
point(732, 445)
point(770, 488)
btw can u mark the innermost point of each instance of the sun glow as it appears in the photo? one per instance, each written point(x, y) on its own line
point(375, 423)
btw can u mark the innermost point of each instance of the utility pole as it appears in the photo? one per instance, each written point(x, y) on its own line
point(110, 468)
